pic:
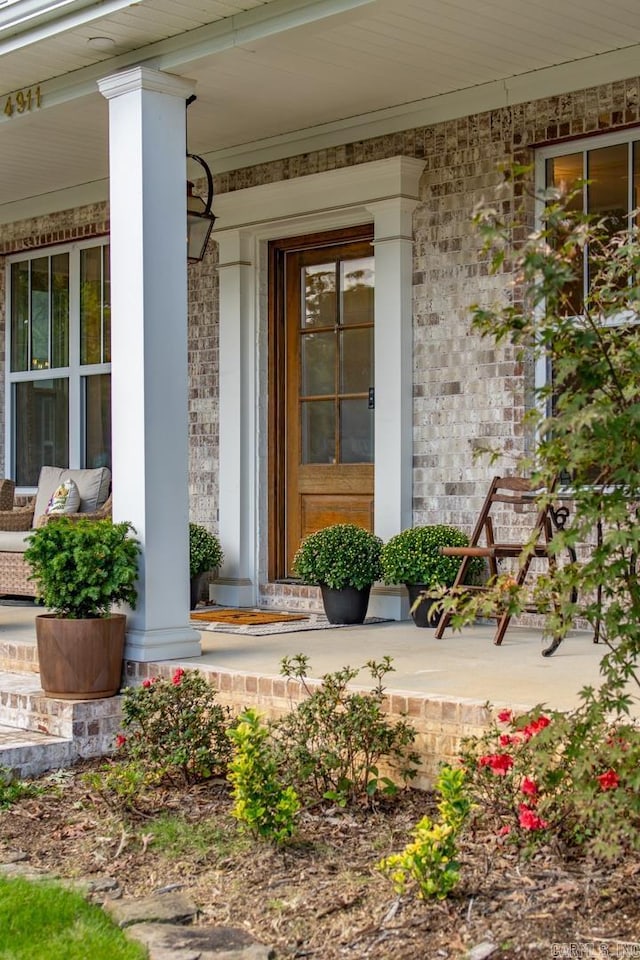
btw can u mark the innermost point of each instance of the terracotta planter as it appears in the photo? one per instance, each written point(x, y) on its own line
point(420, 614)
point(80, 659)
point(345, 606)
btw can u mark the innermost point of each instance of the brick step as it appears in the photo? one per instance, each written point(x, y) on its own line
point(62, 731)
point(29, 754)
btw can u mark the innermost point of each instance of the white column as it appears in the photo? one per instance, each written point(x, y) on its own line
point(237, 583)
point(147, 156)
point(393, 351)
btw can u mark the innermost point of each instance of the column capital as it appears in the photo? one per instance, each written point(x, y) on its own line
point(145, 78)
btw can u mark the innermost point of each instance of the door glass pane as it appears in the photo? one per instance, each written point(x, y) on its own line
point(97, 415)
point(318, 430)
point(19, 315)
point(357, 287)
point(91, 305)
point(42, 427)
point(356, 432)
point(356, 360)
point(40, 313)
point(60, 310)
point(106, 304)
point(318, 364)
point(319, 302)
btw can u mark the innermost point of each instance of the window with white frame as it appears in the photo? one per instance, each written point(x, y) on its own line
point(58, 360)
point(609, 165)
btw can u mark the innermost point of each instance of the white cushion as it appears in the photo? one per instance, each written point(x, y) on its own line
point(65, 498)
point(93, 487)
point(14, 541)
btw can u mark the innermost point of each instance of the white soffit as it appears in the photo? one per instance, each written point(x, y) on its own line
point(285, 77)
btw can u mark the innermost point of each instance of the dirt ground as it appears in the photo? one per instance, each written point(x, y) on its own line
point(321, 897)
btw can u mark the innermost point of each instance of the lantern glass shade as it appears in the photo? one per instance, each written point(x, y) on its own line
point(200, 222)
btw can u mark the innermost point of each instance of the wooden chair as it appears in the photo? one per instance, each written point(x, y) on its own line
point(537, 527)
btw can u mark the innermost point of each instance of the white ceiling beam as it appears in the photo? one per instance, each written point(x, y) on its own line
point(30, 21)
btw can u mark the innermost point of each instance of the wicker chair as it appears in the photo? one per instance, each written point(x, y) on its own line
point(18, 518)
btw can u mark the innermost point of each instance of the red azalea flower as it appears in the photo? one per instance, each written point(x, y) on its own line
point(120, 741)
point(535, 727)
point(505, 716)
point(177, 677)
point(529, 819)
point(503, 831)
point(500, 763)
point(148, 682)
point(530, 787)
point(609, 780)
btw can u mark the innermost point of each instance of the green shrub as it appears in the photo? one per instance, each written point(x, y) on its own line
point(343, 555)
point(263, 803)
point(430, 860)
point(412, 556)
point(175, 727)
point(82, 567)
point(205, 552)
point(332, 743)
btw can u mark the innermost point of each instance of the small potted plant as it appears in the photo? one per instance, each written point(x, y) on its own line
point(205, 554)
point(344, 561)
point(413, 557)
point(81, 568)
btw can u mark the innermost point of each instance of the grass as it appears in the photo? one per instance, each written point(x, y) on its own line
point(177, 837)
point(44, 921)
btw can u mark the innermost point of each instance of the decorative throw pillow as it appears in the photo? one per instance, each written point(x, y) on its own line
point(64, 499)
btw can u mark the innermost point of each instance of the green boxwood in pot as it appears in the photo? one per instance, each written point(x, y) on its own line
point(413, 557)
point(81, 568)
point(342, 559)
point(205, 554)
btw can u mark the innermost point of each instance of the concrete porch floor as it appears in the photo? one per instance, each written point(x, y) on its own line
point(460, 665)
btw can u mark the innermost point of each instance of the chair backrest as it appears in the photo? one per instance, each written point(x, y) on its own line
point(93, 486)
point(519, 495)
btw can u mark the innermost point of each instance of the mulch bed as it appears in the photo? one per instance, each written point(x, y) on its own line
point(321, 897)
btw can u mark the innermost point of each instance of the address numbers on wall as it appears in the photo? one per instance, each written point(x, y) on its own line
point(22, 102)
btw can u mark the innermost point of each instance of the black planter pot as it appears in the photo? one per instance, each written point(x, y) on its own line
point(347, 605)
point(196, 590)
point(420, 614)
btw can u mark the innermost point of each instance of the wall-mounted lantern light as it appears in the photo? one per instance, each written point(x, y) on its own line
point(200, 219)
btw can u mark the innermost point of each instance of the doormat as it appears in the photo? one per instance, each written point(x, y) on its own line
point(293, 624)
point(241, 617)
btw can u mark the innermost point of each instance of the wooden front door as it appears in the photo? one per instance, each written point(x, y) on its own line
point(324, 386)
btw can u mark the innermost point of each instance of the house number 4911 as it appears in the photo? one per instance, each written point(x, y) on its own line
point(22, 101)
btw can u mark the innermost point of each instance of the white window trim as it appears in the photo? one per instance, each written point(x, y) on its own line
point(74, 371)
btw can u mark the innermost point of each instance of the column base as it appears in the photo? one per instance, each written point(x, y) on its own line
point(390, 603)
point(176, 643)
point(233, 593)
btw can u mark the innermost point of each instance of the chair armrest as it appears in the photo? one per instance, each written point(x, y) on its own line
point(20, 518)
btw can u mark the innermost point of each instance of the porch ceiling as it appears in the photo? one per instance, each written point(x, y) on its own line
point(278, 75)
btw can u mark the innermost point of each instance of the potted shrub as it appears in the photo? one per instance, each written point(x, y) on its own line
point(205, 554)
point(413, 557)
point(80, 569)
point(343, 560)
